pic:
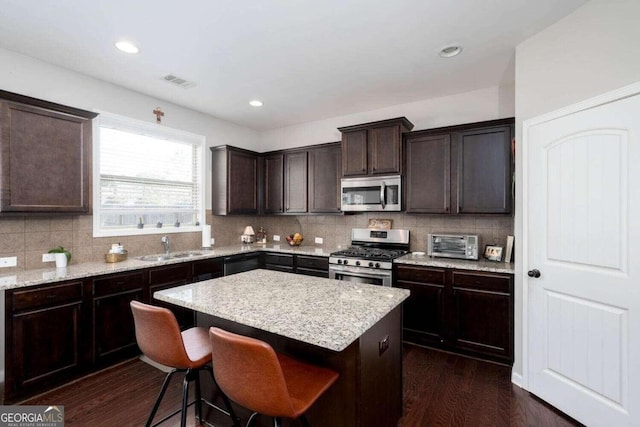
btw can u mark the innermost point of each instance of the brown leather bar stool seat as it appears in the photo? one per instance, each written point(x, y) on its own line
point(159, 337)
point(253, 375)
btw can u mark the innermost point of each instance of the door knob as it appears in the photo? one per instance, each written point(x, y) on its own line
point(534, 273)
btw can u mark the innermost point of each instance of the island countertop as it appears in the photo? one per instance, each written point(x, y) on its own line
point(327, 313)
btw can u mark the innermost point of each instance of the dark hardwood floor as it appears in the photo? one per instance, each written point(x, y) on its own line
point(440, 389)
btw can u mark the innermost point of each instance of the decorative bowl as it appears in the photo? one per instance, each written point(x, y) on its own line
point(115, 257)
point(294, 242)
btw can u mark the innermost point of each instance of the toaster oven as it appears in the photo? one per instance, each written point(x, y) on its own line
point(461, 246)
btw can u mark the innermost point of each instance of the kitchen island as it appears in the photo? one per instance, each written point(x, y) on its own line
point(352, 328)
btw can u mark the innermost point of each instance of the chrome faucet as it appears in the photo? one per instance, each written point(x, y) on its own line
point(165, 243)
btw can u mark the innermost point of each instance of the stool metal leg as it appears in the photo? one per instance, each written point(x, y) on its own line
point(196, 375)
point(304, 421)
point(185, 398)
point(255, 414)
point(165, 384)
point(276, 422)
point(225, 399)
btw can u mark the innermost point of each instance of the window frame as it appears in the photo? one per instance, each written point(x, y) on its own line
point(155, 130)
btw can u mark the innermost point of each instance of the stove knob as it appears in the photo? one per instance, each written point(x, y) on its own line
point(345, 262)
point(339, 261)
point(357, 262)
point(370, 264)
point(377, 265)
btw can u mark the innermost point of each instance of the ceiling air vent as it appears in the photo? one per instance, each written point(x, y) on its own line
point(171, 78)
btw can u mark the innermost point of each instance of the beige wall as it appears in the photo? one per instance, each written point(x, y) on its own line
point(591, 51)
point(484, 104)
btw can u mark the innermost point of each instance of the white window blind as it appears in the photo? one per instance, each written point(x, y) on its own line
point(148, 174)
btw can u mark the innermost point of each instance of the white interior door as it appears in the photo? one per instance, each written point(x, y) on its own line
point(583, 237)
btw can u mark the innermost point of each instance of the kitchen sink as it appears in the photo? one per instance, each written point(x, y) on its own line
point(175, 255)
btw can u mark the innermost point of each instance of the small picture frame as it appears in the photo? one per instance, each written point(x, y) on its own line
point(380, 223)
point(493, 253)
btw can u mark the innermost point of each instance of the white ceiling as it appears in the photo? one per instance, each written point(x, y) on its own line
point(306, 60)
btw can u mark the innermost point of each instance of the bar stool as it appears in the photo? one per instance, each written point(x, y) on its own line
point(159, 337)
point(253, 375)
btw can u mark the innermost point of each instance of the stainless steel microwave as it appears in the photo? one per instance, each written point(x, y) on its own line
point(379, 193)
point(462, 246)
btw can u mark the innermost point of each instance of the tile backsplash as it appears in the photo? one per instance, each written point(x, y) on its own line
point(336, 229)
point(28, 238)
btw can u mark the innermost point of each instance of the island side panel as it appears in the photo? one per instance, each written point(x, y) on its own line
point(381, 372)
point(338, 407)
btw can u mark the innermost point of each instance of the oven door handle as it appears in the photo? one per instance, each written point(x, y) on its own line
point(383, 194)
point(359, 272)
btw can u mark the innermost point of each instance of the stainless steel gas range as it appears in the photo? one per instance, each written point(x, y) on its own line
point(370, 257)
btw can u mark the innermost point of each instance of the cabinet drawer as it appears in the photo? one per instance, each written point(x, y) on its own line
point(118, 283)
point(170, 274)
point(278, 259)
point(421, 274)
point(212, 267)
point(318, 263)
point(484, 281)
point(50, 295)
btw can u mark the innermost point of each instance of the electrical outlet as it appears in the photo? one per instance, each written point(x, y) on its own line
point(383, 345)
point(10, 261)
point(48, 257)
point(213, 241)
point(8, 280)
point(276, 238)
point(319, 240)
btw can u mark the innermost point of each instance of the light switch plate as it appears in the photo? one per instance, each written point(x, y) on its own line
point(319, 240)
point(48, 257)
point(276, 238)
point(213, 241)
point(10, 261)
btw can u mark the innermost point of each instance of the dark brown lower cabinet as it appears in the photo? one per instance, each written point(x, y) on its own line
point(114, 332)
point(462, 311)
point(423, 315)
point(482, 309)
point(301, 264)
point(46, 332)
point(312, 265)
point(171, 276)
point(277, 262)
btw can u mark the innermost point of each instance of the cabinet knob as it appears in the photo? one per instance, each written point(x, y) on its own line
point(535, 273)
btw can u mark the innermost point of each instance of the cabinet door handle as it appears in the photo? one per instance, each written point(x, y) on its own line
point(51, 296)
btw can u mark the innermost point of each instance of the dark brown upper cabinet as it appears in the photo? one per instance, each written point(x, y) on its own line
point(295, 182)
point(324, 178)
point(235, 181)
point(302, 180)
point(484, 170)
point(45, 157)
point(460, 169)
point(373, 148)
point(428, 179)
point(274, 183)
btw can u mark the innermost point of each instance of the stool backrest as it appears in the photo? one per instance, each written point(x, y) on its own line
point(158, 335)
point(248, 371)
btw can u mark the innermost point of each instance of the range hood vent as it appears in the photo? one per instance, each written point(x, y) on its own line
point(178, 81)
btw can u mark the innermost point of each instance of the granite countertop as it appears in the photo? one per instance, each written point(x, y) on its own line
point(327, 313)
point(41, 276)
point(480, 265)
point(25, 278)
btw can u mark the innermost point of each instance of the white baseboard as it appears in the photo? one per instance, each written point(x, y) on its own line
point(516, 378)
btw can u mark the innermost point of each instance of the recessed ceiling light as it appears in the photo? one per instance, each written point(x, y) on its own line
point(450, 51)
point(255, 103)
point(127, 46)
